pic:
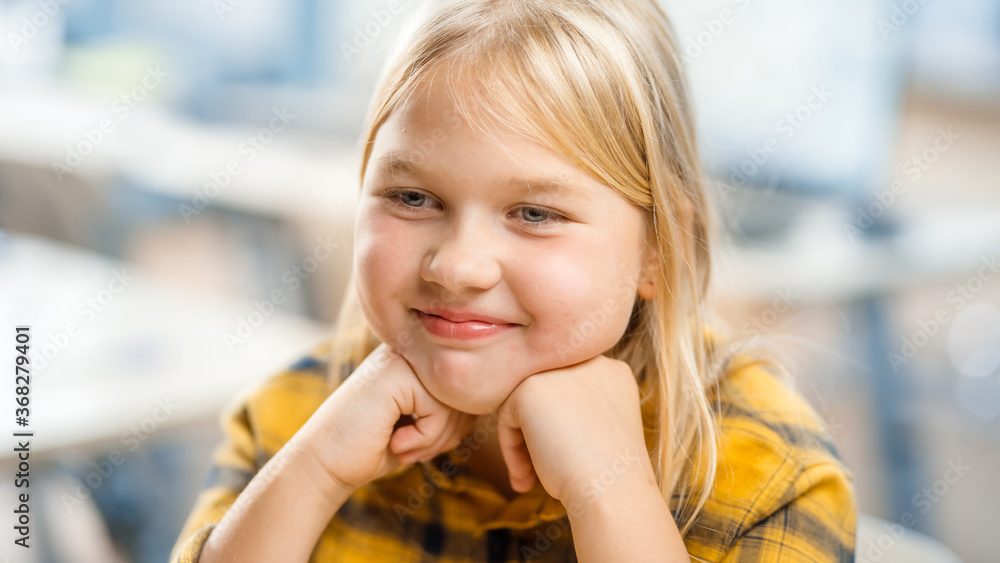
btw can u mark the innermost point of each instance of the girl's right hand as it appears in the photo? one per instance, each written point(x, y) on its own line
point(353, 433)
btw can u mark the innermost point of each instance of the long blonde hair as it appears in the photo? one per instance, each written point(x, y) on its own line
point(601, 84)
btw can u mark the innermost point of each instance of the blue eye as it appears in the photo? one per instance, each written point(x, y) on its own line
point(406, 198)
point(410, 201)
point(407, 201)
point(536, 215)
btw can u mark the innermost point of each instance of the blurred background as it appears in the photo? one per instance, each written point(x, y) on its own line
point(177, 190)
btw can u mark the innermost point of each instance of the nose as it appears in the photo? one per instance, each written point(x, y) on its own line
point(464, 257)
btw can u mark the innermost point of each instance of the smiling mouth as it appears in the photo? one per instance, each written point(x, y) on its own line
point(481, 321)
point(463, 330)
point(462, 315)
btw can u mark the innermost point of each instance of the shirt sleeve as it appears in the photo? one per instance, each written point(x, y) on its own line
point(814, 520)
point(232, 468)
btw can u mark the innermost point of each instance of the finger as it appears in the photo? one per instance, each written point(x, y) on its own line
point(453, 431)
point(423, 433)
point(518, 459)
point(422, 454)
point(449, 438)
point(405, 438)
point(452, 435)
point(412, 456)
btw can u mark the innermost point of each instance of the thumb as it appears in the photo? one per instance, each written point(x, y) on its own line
point(515, 452)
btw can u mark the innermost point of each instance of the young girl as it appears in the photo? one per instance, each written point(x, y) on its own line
point(521, 369)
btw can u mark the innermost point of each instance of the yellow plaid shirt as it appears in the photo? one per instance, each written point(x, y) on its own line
point(781, 492)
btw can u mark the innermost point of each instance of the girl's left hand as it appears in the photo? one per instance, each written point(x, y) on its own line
point(573, 427)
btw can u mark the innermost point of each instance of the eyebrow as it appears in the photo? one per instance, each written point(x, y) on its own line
point(405, 162)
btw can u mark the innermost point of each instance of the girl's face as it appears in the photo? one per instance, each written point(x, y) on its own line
point(453, 227)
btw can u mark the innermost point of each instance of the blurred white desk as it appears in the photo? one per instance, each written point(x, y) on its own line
point(293, 175)
point(148, 345)
point(818, 262)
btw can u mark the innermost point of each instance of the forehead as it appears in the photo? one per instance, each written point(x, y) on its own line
point(443, 130)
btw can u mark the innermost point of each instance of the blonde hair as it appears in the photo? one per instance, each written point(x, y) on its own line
point(601, 84)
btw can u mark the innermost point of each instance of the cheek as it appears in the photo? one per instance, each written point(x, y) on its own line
point(380, 264)
point(582, 306)
point(380, 245)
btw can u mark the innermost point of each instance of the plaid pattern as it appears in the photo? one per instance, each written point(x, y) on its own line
point(781, 493)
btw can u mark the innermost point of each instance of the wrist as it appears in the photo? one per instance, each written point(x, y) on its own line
point(613, 501)
point(308, 464)
point(281, 514)
point(626, 474)
point(632, 523)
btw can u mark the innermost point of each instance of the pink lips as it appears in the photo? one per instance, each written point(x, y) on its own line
point(462, 325)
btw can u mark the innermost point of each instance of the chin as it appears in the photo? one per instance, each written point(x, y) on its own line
point(467, 394)
point(473, 405)
point(460, 384)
